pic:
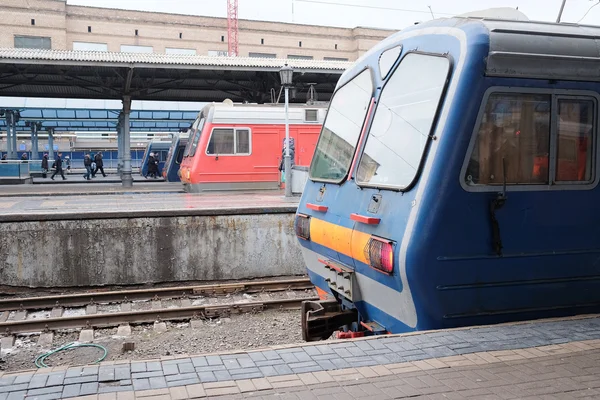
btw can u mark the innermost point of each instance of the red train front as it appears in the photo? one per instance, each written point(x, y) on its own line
point(240, 146)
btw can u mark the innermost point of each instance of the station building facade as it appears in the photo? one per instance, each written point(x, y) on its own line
point(54, 24)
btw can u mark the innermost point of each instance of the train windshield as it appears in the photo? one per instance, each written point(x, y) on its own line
point(197, 133)
point(403, 121)
point(192, 131)
point(341, 130)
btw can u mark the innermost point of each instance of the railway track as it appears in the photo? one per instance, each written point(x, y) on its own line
point(18, 313)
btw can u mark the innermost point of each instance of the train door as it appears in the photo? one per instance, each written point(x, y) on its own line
point(307, 137)
point(529, 173)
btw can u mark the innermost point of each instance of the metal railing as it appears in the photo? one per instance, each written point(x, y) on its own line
point(17, 168)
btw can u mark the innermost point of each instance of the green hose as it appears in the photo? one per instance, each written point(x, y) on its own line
point(39, 361)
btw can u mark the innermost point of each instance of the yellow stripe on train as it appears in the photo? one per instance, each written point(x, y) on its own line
point(338, 238)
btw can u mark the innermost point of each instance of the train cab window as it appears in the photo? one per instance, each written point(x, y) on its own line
point(179, 156)
point(513, 136)
point(341, 129)
point(229, 141)
point(388, 59)
point(403, 122)
point(196, 132)
point(574, 140)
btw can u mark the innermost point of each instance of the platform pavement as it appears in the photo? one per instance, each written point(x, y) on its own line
point(82, 188)
point(539, 359)
point(142, 205)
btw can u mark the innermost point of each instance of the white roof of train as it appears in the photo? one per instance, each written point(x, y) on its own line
point(268, 114)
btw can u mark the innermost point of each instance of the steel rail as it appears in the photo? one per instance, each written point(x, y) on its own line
point(83, 299)
point(144, 316)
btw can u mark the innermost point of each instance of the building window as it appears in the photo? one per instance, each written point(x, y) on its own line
point(262, 41)
point(299, 44)
point(262, 55)
point(136, 49)
point(336, 46)
point(171, 50)
point(296, 57)
point(334, 59)
point(136, 32)
point(222, 38)
point(514, 141)
point(32, 42)
point(32, 21)
point(89, 29)
point(229, 141)
point(86, 46)
point(180, 35)
point(218, 53)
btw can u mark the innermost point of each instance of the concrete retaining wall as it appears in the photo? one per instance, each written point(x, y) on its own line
point(147, 250)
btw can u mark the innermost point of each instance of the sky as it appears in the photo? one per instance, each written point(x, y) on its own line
point(389, 14)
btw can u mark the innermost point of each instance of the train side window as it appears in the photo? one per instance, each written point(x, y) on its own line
point(229, 141)
point(242, 141)
point(197, 133)
point(513, 136)
point(403, 121)
point(574, 142)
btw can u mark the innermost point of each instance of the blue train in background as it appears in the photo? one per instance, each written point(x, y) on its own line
point(160, 149)
point(174, 157)
point(455, 181)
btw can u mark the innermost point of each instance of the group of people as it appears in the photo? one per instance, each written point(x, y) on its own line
point(92, 166)
point(153, 162)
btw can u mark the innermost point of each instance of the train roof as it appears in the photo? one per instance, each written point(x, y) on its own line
point(265, 113)
point(517, 48)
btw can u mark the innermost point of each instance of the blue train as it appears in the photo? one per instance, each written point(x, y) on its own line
point(455, 181)
point(174, 157)
point(160, 148)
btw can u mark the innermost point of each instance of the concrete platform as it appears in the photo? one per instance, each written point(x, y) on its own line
point(83, 188)
point(93, 240)
point(553, 359)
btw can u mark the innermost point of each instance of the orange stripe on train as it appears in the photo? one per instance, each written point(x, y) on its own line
point(338, 238)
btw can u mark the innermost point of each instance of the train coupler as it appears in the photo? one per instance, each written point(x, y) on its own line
point(321, 318)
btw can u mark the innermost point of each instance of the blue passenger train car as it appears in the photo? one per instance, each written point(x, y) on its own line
point(161, 149)
point(171, 170)
point(455, 181)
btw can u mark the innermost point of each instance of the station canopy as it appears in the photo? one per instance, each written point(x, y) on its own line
point(79, 115)
point(164, 77)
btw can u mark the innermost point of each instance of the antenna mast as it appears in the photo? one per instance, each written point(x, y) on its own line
point(232, 28)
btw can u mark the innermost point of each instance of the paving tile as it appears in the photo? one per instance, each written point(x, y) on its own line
point(207, 377)
point(178, 393)
point(186, 367)
point(199, 362)
point(81, 379)
point(141, 384)
point(214, 360)
point(45, 390)
point(178, 377)
point(222, 375)
point(20, 395)
point(89, 388)
point(195, 391)
point(138, 367)
point(150, 374)
point(257, 356)
point(14, 388)
point(184, 382)
point(38, 381)
point(158, 382)
point(153, 366)
point(170, 369)
point(122, 373)
point(69, 390)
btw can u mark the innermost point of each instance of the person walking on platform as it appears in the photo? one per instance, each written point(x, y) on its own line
point(87, 163)
point(45, 166)
point(58, 165)
point(151, 166)
point(68, 164)
point(99, 163)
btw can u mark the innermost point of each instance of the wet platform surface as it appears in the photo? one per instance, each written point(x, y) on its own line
point(95, 187)
point(553, 359)
point(139, 205)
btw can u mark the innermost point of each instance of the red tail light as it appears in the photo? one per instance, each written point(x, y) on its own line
point(380, 253)
point(302, 226)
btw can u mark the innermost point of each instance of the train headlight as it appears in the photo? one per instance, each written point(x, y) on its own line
point(302, 226)
point(380, 253)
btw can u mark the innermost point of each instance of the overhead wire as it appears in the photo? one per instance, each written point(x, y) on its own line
point(586, 13)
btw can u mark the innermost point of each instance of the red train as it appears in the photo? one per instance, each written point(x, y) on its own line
point(240, 146)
